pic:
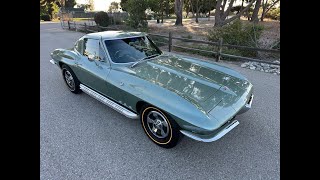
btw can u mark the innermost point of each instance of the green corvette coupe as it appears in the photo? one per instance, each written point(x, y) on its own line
point(172, 95)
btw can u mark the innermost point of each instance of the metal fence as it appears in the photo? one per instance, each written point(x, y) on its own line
point(87, 28)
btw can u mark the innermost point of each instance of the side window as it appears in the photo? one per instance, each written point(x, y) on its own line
point(78, 46)
point(91, 49)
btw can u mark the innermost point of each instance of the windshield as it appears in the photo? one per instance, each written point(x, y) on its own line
point(131, 49)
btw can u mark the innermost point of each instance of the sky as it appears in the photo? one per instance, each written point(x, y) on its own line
point(99, 5)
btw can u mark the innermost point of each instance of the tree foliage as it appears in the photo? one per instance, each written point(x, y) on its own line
point(101, 18)
point(123, 5)
point(48, 7)
point(136, 9)
point(70, 3)
point(114, 7)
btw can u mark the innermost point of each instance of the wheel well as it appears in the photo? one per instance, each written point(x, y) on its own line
point(139, 106)
point(60, 64)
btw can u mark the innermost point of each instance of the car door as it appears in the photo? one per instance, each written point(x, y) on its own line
point(93, 68)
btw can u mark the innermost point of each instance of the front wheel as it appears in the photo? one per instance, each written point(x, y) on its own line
point(159, 127)
point(70, 79)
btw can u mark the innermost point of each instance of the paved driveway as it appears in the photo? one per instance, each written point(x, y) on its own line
point(80, 138)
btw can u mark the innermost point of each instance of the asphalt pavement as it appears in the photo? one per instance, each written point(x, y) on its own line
point(80, 138)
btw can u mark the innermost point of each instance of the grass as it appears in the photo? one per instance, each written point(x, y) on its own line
point(82, 19)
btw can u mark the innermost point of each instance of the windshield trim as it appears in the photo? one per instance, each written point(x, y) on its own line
point(128, 63)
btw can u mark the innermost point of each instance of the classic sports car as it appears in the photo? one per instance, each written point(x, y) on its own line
point(172, 95)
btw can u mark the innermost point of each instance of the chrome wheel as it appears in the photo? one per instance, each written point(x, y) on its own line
point(157, 124)
point(69, 80)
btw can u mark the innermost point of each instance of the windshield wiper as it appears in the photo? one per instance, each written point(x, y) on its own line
point(144, 59)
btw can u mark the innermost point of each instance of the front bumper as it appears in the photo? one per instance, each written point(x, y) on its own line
point(212, 137)
point(247, 106)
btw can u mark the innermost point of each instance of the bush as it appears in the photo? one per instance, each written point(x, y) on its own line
point(45, 17)
point(102, 19)
point(274, 13)
point(238, 34)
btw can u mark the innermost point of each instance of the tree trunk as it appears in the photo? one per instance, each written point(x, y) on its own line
point(223, 6)
point(178, 4)
point(254, 17)
point(241, 7)
point(197, 11)
point(217, 16)
point(162, 11)
point(167, 8)
point(226, 14)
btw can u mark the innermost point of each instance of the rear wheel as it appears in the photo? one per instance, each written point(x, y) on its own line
point(159, 127)
point(71, 80)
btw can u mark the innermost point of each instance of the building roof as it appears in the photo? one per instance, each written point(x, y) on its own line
point(115, 34)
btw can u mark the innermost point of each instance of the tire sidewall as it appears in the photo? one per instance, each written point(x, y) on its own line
point(173, 137)
point(65, 68)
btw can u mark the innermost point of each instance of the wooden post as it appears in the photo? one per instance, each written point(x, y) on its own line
point(85, 28)
point(69, 24)
point(219, 49)
point(170, 41)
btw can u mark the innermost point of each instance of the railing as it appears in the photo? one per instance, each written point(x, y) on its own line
point(218, 53)
point(218, 44)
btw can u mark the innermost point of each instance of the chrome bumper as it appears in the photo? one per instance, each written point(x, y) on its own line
point(207, 138)
point(247, 106)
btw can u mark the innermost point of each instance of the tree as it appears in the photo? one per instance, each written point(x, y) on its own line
point(91, 4)
point(70, 3)
point(123, 4)
point(114, 6)
point(267, 6)
point(136, 10)
point(221, 14)
point(48, 7)
point(157, 6)
point(202, 6)
point(178, 4)
point(254, 17)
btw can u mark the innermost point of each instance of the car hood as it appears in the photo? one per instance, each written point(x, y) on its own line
point(202, 83)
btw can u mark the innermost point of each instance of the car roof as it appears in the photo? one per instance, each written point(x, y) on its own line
point(114, 34)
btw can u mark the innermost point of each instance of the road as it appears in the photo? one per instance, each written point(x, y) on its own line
point(80, 138)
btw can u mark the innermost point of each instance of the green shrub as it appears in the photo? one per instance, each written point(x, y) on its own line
point(45, 17)
point(238, 34)
point(274, 13)
point(102, 19)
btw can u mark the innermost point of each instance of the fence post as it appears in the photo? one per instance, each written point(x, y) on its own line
point(170, 41)
point(69, 24)
point(85, 28)
point(219, 50)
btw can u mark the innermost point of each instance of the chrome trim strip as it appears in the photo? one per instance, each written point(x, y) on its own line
point(216, 137)
point(52, 61)
point(108, 102)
